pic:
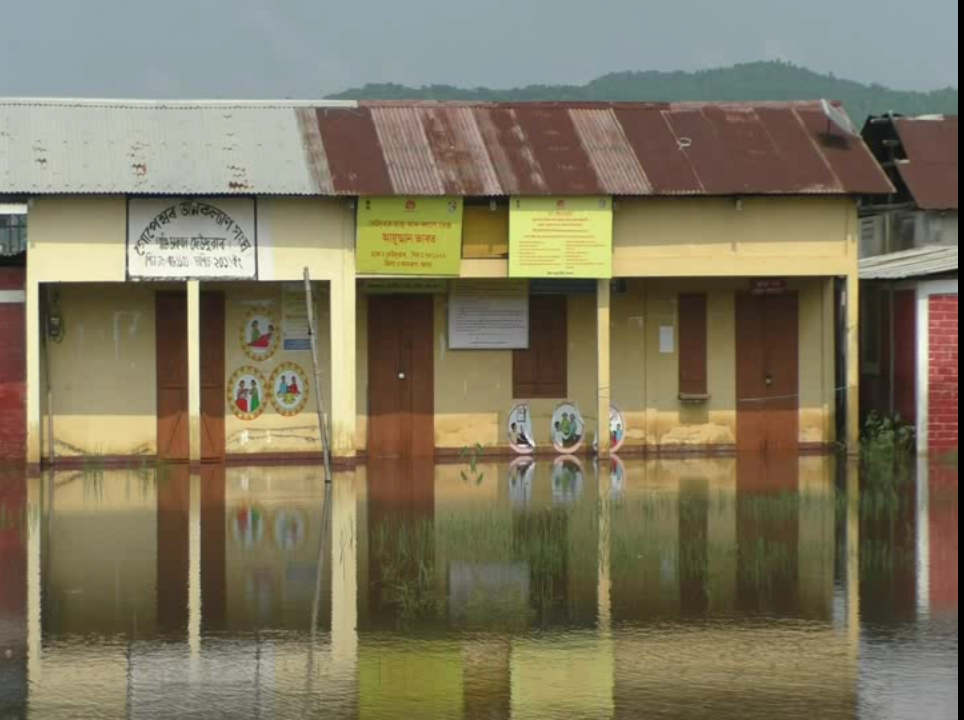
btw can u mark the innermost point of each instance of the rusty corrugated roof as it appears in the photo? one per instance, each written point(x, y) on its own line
point(610, 149)
point(930, 170)
point(405, 148)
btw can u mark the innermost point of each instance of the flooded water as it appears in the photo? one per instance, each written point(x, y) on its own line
point(718, 589)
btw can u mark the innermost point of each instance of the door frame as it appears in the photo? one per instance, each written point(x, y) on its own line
point(413, 318)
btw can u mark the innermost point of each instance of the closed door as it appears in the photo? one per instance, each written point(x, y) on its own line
point(212, 378)
point(173, 426)
point(401, 377)
point(768, 374)
point(13, 367)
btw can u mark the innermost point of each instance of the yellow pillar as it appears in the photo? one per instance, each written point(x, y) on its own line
point(34, 328)
point(343, 358)
point(829, 363)
point(603, 369)
point(853, 363)
point(194, 367)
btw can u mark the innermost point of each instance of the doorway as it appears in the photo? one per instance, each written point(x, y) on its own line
point(173, 413)
point(173, 417)
point(768, 373)
point(401, 377)
point(212, 378)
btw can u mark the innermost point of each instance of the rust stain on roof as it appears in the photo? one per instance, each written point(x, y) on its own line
point(930, 171)
point(435, 149)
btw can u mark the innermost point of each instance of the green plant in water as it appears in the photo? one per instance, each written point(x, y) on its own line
point(887, 444)
point(474, 456)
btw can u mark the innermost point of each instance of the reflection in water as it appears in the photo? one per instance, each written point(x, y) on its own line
point(687, 589)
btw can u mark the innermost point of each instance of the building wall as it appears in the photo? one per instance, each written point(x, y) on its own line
point(767, 237)
point(943, 373)
point(473, 389)
point(13, 350)
point(103, 374)
point(272, 432)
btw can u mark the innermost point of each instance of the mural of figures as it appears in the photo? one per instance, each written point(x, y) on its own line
point(521, 436)
point(246, 393)
point(259, 335)
point(568, 429)
point(289, 389)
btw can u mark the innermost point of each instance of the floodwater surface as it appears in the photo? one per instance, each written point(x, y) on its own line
point(725, 589)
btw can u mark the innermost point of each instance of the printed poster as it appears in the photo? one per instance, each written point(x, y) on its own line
point(410, 236)
point(561, 238)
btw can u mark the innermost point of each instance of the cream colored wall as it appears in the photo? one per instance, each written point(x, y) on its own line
point(646, 382)
point(705, 237)
point(273, 433)
point(104, 372)
point(473, 390)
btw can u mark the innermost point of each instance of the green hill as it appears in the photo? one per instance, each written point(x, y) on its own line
point(750, 82)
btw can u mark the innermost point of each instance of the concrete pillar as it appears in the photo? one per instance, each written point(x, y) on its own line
point(194, 367)
point(343, 410)
point(603, 368)
point(853, 363)
point(34, 328)
point(35, 580)
point(829, 362)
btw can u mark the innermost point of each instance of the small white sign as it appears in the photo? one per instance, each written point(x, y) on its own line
point(186, 239)
point(667, 340)
point(489, 315)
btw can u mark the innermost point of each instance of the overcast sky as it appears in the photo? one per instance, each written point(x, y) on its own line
point(310, 48)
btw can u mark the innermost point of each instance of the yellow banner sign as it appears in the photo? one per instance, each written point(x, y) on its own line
point(561, 238)
point(410, 236)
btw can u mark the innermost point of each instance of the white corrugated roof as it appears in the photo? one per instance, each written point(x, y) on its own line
point(919, 262)
point(160, 148)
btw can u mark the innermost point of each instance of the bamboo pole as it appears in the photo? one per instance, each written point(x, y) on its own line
point(319, 401)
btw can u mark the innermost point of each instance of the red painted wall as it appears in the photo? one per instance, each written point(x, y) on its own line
point(13, 421)
point(943, 403)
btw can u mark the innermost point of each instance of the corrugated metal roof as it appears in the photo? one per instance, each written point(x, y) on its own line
point(157, 148)
point(930, 170)
point(919, 262)
point(482, 149)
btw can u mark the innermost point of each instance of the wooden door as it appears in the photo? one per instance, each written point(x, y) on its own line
point(173, 418)
point(401, 377)
point(212, 378)
point(768, 374)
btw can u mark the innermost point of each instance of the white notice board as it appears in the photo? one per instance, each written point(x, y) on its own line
point(489, 315)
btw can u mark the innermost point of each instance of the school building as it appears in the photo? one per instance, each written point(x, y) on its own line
point(482, 275)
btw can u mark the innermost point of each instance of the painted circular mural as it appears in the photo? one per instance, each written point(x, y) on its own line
point(617, 429)
point(289, 389)
point(568, 429)
point(259, 335)
point(246, 393)
point(521, 435)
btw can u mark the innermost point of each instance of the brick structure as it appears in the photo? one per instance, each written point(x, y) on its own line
point(943, 403)
point(13, 431)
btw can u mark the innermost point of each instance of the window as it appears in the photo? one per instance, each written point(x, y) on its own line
point(693, 361)
point(13, 235)
point(542, 371)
